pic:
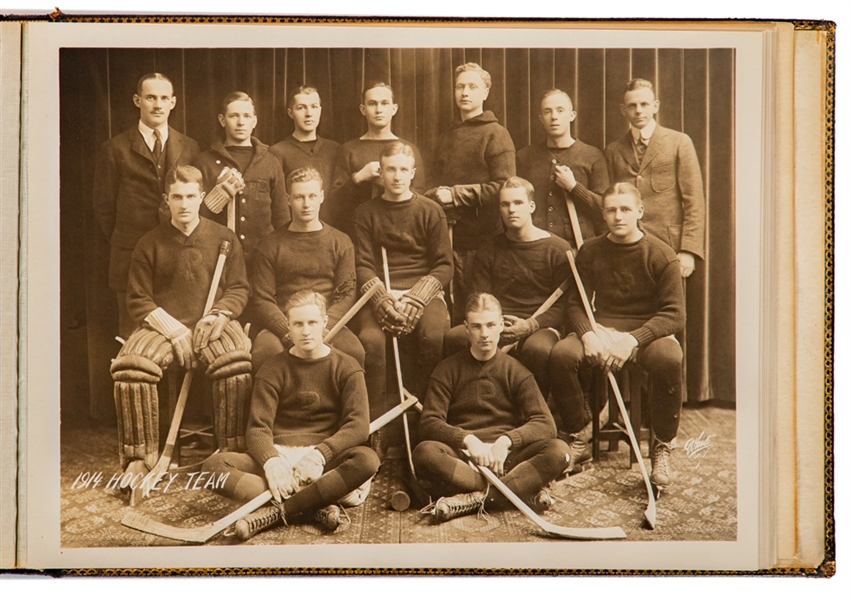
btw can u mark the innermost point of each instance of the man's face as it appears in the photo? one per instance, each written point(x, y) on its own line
point(556, 114)
point(397, 171)
point(184, 200)
point(640, 107)
point(470, 91)
point(239, 121)
point(378, 107)
point(306, 326)
point(305, 112)
point(622, 212)
point(155, 102)
point(305, 199)
point(483, 329)
point(515, 207)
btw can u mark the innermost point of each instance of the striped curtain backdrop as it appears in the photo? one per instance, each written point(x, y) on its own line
point(695, 88)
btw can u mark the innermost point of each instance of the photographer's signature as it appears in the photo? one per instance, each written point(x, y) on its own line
point(698, 447)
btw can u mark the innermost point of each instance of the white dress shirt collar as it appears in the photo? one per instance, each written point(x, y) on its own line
point(148, 134)
point(645, 133)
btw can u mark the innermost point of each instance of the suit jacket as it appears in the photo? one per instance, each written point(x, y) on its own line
point(671, 187)
point(128, 201)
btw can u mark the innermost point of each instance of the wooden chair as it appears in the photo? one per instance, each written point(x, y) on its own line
point(634, 384)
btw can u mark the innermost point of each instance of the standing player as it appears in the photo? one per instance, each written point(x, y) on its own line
point(485, 402)
point(306, 254)
point(129, 176)
point(472, 161)
point(563, 168)
point(307, 426)
point(170, 276)
point(521, 268)
point(662, 164)
point(357, 176)
point(305, 148)
point(637, 288)
point(259, 208)
point(413, 231)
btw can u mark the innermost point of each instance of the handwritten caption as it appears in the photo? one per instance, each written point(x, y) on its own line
point(197, 480)
point(698, 448)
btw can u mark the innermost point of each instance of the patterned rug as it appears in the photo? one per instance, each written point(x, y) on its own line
point(701, 505)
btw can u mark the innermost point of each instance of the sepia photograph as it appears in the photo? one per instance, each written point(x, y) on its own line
point(364, 296)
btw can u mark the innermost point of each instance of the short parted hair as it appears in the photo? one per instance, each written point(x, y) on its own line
point(519, 182)
point(638, 84)
point(305, 298)
point(148, 76)
point(301, 89)
point(397, 147)
point(305, 174)
point(184, 174)
point(377, 84)
point(480, 302)
point(553, 92)
point(236, 97)
point(471, 66)
point(622, 188)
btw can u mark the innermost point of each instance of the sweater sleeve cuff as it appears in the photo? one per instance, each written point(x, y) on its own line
point(643, 335)
point(580, 192)
point(280, 328)
point(261, 455)
point(457, 439)
point(516, 439)
point(325, 451)
point(582, 327)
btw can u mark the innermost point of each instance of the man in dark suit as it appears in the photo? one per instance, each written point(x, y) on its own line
point(662, 164)
point(129, 176)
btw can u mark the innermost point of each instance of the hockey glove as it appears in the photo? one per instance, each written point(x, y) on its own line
point(228, 185)
point(177, 333)
point(517, 329)
point(309, 468)
point(209, 329)
point(384, 306)
point(417, 298)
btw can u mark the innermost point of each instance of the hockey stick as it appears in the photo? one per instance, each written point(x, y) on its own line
point(650, 513)
point(350, 314)
point(395, 342)
point(572, 533)
point(547, 305)
point(199, 535)
point(160, 469)
point(574, 220)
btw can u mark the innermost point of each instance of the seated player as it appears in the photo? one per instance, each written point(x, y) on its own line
point(306, 254)
point(486, 403)
point(307, 423)
point(413, 231)
point(521, 267)
point(357, 177)
point(563, 168)
point(171, 272)
point(305, 148)
point(260, 197)
point(635, 281)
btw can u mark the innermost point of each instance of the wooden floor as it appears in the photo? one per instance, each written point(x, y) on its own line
point(701, 505)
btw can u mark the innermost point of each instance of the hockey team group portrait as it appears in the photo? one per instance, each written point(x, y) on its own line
point(397, 295)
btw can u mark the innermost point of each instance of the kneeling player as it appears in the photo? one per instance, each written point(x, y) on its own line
point(486, 403)
point(307, 423)
point(635, 281)
point(170, 275)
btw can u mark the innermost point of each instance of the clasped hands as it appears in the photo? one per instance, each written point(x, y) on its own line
point(285, 480)
point(601, 349)
point(491, 456)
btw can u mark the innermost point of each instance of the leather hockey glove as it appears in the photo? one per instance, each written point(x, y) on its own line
point(228, 185)
point(384, 306)
point(309, 468)
point(209, 329)
point(415, 300)
point(177, 333)
point(517, 329)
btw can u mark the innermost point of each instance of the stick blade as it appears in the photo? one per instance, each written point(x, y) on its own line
point(135, 520)
point(650, 513)
point(580, 533)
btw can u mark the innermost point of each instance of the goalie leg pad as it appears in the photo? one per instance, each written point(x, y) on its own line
point(231, 396)
point(137, 405)
point(148, 344)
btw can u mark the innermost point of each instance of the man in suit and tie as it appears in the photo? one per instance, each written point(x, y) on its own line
point(129, 176)
point(662, 164)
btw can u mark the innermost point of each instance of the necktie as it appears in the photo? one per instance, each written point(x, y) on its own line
point(158, 144)
point(640, 147)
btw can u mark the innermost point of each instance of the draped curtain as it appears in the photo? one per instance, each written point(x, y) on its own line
point(694, 86)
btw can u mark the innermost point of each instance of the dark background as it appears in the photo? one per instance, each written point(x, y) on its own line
point(695, 88)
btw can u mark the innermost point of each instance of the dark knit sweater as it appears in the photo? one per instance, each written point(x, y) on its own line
point(320, 154)
point(346, 195)
point(262, 206)
point(174, 271)
point(636, 288)
point(491, 399)
point(286, 262)
point(416, 237)
point(474, 158)
point(522, 275)
point(307, 402)
point(536, 163)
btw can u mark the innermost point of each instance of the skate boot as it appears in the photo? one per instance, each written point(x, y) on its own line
point(260, 520)
point(541, 502)
point(331, 517)
point(459, 505)
point(662, 474)
point(580, 452)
